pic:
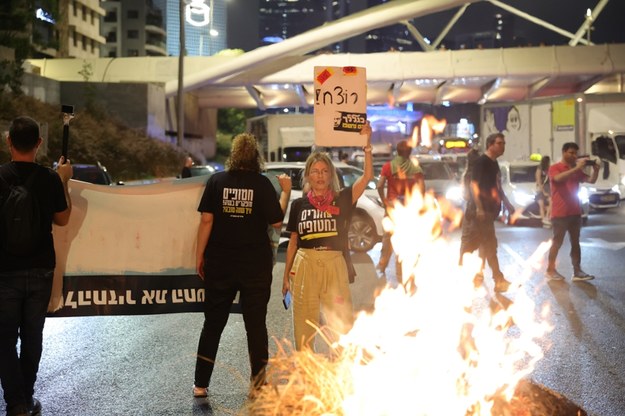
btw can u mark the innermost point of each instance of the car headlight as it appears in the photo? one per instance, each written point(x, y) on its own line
point(522, 199)
point(615, 189)
point(582, 194)
point(454, 194)
point(590, 189)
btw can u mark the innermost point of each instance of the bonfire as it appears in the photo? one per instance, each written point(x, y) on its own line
point(435, 344)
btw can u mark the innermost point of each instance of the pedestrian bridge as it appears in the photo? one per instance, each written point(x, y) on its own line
point(281, 75)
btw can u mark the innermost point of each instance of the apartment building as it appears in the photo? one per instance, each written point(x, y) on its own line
point(82, 38)
point(133, 28)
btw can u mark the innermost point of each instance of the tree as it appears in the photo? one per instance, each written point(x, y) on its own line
point(232, 120)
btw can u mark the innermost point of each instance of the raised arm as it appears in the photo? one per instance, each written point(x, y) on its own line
point(65, 172)
point(285, 195)
point(595, 174)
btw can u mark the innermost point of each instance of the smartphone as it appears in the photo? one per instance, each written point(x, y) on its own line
point(286, 301)
point(589, 162)
point(67, 109)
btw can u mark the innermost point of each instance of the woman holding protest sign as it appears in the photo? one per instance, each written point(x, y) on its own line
point(317, 269)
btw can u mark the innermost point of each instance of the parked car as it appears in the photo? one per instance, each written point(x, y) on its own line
point(440, 179)
point(96, 174)
point(518, 180)
point(216, 165)
point(366, 226)
point(201, 170)
point(457, 162)
point(601, 197)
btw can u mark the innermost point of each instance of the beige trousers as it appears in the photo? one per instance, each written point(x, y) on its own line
point(320, 290)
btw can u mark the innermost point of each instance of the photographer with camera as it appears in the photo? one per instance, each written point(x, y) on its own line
point(566, 211)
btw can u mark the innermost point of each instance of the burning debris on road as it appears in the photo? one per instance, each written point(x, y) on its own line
point(434, 345)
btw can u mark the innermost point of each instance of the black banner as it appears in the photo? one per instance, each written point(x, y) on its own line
point(132, 295)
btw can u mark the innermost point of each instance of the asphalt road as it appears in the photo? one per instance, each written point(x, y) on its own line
point(143, 365)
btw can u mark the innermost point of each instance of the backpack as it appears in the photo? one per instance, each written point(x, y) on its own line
point(20, 218)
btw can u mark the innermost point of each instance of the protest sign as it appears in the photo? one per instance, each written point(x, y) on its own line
point(340, 105)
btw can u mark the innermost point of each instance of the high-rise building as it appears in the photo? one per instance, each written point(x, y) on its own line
point(395, 37)
point(205, 26)
point(34, 29)
point(280, 19)
point(133, 28)
point(391, 38)
point(82, 38)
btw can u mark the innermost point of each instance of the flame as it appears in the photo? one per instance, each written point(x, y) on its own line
point(437, 344)
point(414, 139)
point(431, 126)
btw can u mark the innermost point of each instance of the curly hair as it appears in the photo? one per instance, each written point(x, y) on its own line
point(245, 154)
point(325, 158)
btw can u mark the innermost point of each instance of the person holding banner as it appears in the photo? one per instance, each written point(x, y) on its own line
point(186, 169)
point(234, 254)
point(316, 271)
point(27, 259)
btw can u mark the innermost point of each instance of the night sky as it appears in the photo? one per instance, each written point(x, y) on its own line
point(479, 17)
point(566, 14)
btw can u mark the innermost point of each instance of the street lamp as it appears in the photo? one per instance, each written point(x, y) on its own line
point(589, 20)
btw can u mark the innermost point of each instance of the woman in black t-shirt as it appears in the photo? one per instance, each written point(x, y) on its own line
point(316, 272)
point(234, 255)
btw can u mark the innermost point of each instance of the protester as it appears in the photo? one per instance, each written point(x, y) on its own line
point(543, 190)
point(400, 176)
point(26, 269)
point(234, 254)
point(566, 212)
point(484, 207)
point(186, 169)
point(316, 271)
point(467, 222)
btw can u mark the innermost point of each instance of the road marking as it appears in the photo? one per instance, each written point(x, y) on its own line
point(601, 243)
point(534, 261)
point(516, 256)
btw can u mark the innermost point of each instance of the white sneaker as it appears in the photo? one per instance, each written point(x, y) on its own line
point(582, 276)
point(553, 275)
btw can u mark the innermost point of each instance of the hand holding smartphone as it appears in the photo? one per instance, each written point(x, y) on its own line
point(286, 300)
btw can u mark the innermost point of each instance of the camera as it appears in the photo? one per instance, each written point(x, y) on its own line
point(588, 161)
